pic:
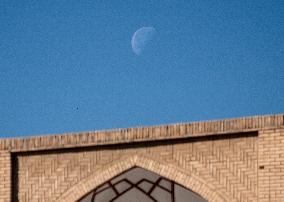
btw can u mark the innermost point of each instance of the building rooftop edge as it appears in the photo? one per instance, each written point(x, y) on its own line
point(142, 134)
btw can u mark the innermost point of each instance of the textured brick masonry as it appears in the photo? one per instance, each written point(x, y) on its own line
point(226, 160)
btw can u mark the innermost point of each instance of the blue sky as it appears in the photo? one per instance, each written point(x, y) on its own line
point(68, 66)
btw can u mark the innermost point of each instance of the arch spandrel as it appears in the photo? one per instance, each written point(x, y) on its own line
point(167, 171)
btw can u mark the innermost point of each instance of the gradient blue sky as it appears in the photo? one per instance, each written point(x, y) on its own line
point(68, 66)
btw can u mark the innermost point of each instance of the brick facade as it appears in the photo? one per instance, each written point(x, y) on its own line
point(228, 160)
point(271, 158)
point(5, 176)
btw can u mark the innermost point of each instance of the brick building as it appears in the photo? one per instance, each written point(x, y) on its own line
point(226, 160)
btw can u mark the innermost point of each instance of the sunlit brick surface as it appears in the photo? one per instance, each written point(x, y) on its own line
point(5, 176)
point(228, 160)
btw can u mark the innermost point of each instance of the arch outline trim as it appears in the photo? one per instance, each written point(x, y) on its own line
point(166, 170)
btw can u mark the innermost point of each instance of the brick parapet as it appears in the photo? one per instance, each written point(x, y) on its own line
point(5, 176)
point(142, 134)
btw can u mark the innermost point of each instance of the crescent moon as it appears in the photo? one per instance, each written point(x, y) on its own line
point(141, 38)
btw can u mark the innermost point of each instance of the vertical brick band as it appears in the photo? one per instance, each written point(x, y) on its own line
point(271, 165)
point(5, 176)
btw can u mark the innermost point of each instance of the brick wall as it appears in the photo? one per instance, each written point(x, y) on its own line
point(228, 160)
point(271, 165)
point(229, 165)
point(5, 176)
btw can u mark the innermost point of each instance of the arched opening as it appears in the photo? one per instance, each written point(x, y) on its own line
point(123, 164)
point(139, 184)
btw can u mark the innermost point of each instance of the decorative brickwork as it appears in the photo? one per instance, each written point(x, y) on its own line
point(228, 160)
point(169, 171)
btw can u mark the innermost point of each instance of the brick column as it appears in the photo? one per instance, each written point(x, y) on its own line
point(5, 176)
point(271, 165)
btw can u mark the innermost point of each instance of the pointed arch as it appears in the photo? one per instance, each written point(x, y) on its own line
point(166, 170)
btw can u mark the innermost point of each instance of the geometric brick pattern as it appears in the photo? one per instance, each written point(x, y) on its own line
point(138, 184)
point(219, 162)
point(228, 160)
point(49, 175)
point(157, 166)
